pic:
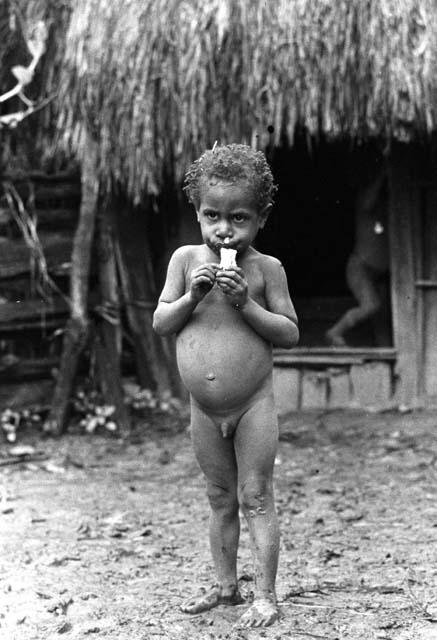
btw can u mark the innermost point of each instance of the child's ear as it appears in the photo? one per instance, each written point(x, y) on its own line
point(264, 214)
point(197, 215)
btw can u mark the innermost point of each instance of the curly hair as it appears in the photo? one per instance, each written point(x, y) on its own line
point(231, 163)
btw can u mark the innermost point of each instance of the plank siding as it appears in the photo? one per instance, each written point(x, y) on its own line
point(314, 390)
point(340, 388)
point(15, 255)
point(429, 323)
point(371, 385)
point(366, 385)
point(403, 206)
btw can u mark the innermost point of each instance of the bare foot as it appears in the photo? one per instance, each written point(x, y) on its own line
point(262, 613)
point(212, 598)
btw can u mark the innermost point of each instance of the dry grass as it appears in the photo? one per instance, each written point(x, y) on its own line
point(158, 81)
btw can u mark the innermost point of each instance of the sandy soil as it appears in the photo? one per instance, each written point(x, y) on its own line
point(105, 538)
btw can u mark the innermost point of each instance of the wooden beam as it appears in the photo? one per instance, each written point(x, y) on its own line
point(48, 191)
point(57, 218)
point(31, 316)
point(331, 356)
point(429, 288)
point(25, 369)
point(31, 310)
point(40, 176)
point(402, 209)
point(15, 255)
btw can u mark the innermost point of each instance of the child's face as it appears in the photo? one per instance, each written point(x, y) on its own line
point(229, 210)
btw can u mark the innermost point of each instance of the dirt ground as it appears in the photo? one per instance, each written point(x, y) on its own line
point(104, 538)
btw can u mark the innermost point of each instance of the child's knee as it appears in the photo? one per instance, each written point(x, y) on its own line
point(222, 499)
point(372, 307)
point(254, 495)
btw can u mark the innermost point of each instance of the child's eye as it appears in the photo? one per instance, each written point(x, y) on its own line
point(239, 218)
point(211, 215)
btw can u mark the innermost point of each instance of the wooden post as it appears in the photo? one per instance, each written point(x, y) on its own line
point(77, 329)
point(402, 208)
point(108, 335)
point(137, 280)
point(429, 290)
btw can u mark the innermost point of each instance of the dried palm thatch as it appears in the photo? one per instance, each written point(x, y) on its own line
point(157, 81)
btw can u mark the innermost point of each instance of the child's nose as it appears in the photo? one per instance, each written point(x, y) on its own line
point(223, 230)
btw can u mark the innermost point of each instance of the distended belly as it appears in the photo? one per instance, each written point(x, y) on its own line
point(222, 368)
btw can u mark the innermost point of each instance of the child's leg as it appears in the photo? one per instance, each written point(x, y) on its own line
point(216, 458)
point(361, 282)
point(255, 446)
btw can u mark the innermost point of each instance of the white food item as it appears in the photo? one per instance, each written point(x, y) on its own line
point(228, 258)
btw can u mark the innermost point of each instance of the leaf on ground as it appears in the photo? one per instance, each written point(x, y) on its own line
point(64, 627)
point(145, 533)
point(6, 510)
point(60, 607)
point(117, 518)
point(84, 530)
point(51, 467)
point(88, 595)
point(22, 450)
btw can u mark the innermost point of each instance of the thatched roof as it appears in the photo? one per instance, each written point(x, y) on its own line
point(158, 81)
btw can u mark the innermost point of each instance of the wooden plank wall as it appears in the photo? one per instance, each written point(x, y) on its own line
point(367, 385)
point(429, 291)
point(404, 205)
point(28, 345)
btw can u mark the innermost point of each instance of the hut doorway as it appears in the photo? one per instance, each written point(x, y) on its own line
point(313, 230)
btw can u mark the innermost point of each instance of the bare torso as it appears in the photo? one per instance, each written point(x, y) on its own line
point(371, 242)
point(223, 362)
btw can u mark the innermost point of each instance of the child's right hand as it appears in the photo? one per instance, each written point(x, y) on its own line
point(202, 280)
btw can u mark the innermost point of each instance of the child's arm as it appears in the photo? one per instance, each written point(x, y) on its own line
point(277, 323)
point(175, 306)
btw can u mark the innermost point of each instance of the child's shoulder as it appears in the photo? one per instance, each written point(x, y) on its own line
point(265, 262)
point(186, 253)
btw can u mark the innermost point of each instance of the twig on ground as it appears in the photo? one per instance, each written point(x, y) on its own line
point(311, 635)
point(23, 459)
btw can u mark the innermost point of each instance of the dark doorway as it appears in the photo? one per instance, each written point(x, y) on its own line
point(312, 232)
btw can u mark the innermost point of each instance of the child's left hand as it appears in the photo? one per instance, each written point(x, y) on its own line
point(233, 283)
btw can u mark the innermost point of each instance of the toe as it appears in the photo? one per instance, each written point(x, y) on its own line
point(247, 620)
point(259, 616)
point(187, 606)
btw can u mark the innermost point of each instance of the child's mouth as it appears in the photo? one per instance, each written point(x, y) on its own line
point(227, 245)
point(216, 246)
